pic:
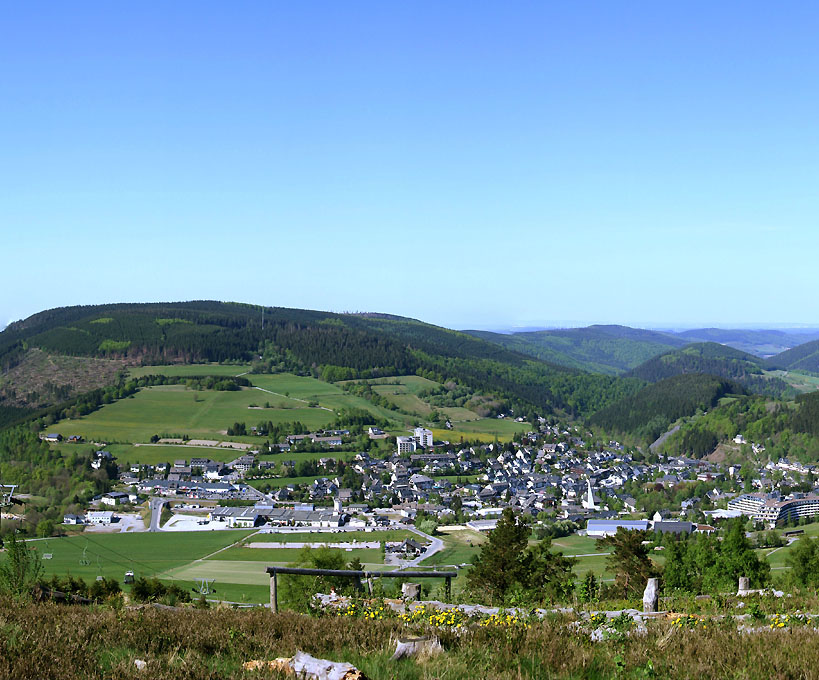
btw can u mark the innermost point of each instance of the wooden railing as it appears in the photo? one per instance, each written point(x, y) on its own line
point(356, 575)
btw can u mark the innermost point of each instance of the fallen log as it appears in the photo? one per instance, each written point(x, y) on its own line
point(420, 646)
point(306, 667)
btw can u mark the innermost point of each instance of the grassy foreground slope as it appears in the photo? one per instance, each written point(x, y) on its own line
point(51, 641)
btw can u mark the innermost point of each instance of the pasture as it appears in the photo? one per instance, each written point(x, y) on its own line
point(484, 430)
point(175, 410)
point(188, 370)
point(147, 554)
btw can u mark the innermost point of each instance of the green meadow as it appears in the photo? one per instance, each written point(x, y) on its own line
point(188, 370)
point(145, 553)
point(175, 410)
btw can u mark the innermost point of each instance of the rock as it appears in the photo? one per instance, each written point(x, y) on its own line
point(651, 596)
point(140, 664)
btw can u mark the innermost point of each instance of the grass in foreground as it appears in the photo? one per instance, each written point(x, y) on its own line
point(52, 641)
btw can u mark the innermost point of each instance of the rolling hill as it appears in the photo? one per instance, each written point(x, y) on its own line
point(332, 347)
point(611, 350)
point(713, 359)
point(761, 343)
point(804, 357)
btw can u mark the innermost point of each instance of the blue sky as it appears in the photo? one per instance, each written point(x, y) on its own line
point(468, 164)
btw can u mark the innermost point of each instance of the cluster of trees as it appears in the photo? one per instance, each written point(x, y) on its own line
point(98, 591)
point(508, 568)
point(153, 590)
point(357, 420)
point(65, 482)
point(706, 564)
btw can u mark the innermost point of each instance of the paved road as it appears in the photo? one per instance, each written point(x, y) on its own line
point(156, 512)
point(436, 545)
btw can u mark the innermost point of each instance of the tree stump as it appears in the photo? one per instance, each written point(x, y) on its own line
point(651, 596)
point(422, 647)
point(411, 591)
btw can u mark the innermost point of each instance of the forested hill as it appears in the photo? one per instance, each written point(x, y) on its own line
point(653, 409)
point(712, 359)
point(759, 342)
point(327, 345)
point(611, 350)
point(804, 357)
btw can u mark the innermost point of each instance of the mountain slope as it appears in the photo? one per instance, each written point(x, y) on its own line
point(804, 357)
point(712, 359)
point(327, 345)
point(761, 343)
point(649, 412)
point(610, 350)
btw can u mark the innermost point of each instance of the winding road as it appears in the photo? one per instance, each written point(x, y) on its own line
point(156, 513)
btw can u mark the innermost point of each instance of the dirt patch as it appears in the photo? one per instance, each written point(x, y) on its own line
point(721, 453)
point(41, 379)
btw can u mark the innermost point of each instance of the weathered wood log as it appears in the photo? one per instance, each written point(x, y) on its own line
point(306, 667)
point(421, 646)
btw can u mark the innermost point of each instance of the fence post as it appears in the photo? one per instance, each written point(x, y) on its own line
point(274, 599)
point(448, 588)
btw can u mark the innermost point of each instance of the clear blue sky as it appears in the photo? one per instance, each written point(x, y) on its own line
point(469, 164)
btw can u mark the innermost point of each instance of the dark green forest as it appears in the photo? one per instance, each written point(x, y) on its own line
point(653, 409)
point(712, 359)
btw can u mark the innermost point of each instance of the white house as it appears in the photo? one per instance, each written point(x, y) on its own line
point(99, 517)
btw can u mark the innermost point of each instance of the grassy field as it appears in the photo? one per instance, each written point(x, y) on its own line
point(802, 382)
point(290, 555)
point(483, 429)
point(171, 409)
point(187, 370)
point(147, 554)
point(185, 556)
point(175, 410)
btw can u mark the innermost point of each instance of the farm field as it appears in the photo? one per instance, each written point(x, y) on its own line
point(147, 554)
point(171, 410)
point(289, 555)
point(335, 537)
point(483, 429)
point(802, 382)
point(188, 370)
point(174, 410)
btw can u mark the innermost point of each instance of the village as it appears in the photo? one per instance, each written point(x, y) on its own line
point(551, 476)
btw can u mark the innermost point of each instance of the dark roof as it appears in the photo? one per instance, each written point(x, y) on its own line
point(674, 527)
